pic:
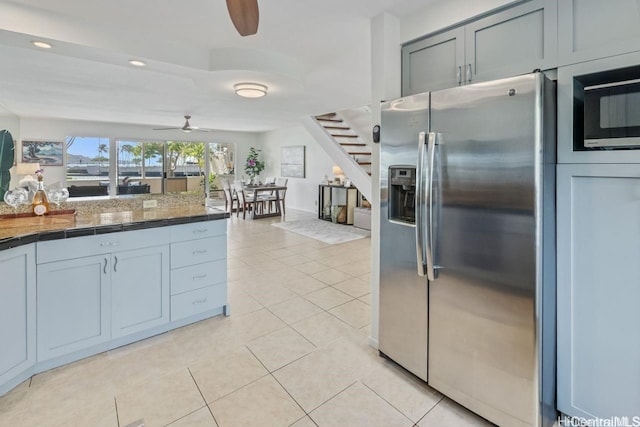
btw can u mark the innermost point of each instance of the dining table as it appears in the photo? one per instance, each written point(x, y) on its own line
point(252, 196)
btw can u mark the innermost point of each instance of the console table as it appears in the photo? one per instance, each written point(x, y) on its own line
point(337, 195)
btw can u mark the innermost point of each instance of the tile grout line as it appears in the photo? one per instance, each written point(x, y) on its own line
point(280, 384)
point(203, 398)
point(389, 403)
point(431, 409)
point(115, 403)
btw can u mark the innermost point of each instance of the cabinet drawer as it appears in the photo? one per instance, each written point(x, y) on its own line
point(198, 251)
point(57, 250)
point(200, 300)
point(198, 276)
point(198, 230)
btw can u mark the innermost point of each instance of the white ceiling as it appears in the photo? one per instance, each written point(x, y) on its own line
point(313, 55)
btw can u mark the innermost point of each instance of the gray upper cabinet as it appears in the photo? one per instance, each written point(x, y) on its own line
point(433, 63)
point(513, 41)
point(592, 29)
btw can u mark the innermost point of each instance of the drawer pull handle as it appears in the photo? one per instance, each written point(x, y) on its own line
point(200, 252)
point(200, 230)
point(199, 301)
point(109, 244)
point(115, 264)
point(201, 276)
point(104, 269)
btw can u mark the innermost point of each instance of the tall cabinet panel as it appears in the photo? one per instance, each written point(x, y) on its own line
point(433, 63)
point(598, 290)
point(515, 41)
point(592, 29)
point(17, 311)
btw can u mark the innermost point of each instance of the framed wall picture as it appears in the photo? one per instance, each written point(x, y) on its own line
point(292, 161)
point(47, 153)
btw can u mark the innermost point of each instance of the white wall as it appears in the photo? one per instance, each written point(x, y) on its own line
point(302, 193)
point(57, 130)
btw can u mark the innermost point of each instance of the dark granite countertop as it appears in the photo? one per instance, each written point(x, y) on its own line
point(14, 232)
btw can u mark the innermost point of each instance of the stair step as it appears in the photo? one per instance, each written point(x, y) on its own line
point(336, 127)
point(359, 153)
point(322, 119)
point(364, 163)
point(344, 136)
point(353, 144)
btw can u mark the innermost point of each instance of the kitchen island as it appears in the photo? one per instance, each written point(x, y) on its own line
point(76, 286)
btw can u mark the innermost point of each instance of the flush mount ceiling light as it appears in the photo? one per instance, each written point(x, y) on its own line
point(41, 45)
point(250, 90)
point(137, 63)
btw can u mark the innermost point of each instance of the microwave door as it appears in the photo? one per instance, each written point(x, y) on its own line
point(612, 116)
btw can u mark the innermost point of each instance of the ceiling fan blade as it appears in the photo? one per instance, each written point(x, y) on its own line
point(166, 128)
point(244, 15)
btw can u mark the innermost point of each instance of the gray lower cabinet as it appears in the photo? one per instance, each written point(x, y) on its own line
point(73, 305)
point(598, 232)
point(593, 29)
point(139, 290)
point(17, 311)
point(512, 41)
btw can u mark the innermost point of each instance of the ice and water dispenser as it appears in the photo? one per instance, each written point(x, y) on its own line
point(402, 194)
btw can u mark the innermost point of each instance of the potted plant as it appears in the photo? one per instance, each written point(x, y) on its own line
point(253, 165)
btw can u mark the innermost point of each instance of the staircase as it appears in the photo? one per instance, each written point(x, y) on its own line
point(344, 136)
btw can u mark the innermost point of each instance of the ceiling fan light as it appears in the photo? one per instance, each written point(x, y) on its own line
point(41, 44)
point(250, 90)
point(137, 63)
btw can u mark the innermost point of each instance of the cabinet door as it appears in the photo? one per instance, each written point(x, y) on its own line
point(514, 41)
point(17, 311)
point(592, 29)
point(433, 63)
point(140, 290)
point(598, 290)
point(73, 305)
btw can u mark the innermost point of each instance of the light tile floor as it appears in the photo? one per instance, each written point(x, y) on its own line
point(294, 352)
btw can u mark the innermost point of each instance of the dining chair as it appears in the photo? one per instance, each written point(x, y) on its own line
point(230, 197)
point(241, 199)
point(280, 182)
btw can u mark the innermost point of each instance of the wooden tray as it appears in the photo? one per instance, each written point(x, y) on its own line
point(58, 218)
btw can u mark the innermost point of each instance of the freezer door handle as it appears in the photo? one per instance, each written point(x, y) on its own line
point(420, 217)
point(459, 74)
point(433, 142)
point(469, 73)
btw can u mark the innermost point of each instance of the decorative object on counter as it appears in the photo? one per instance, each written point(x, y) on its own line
point(58, 195)
point(25, 170)
point(292, 161)
point(15, 198)
point(47, 153)
point(6, 160)
point(40, 202)
point(347, 182)
point(253, 165)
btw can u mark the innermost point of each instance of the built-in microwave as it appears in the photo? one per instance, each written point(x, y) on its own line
point(607, 110)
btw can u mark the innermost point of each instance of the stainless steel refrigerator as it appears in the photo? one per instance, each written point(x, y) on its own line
point(467, 256)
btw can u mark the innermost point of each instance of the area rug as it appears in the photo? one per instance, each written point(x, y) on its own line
point(324, 231)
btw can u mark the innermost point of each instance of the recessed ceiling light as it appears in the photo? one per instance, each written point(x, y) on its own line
point(250, 90)
point(41, 45)
point(137, 63)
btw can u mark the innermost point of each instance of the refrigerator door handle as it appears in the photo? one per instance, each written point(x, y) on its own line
point(434, 140)
point(459, 74)
point(420, 217)
point(469, 73)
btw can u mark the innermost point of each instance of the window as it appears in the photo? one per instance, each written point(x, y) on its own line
point(87, 158)
point(139, 167)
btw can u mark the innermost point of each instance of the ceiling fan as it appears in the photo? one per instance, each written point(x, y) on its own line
point(244, 15)
point(187, 127)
